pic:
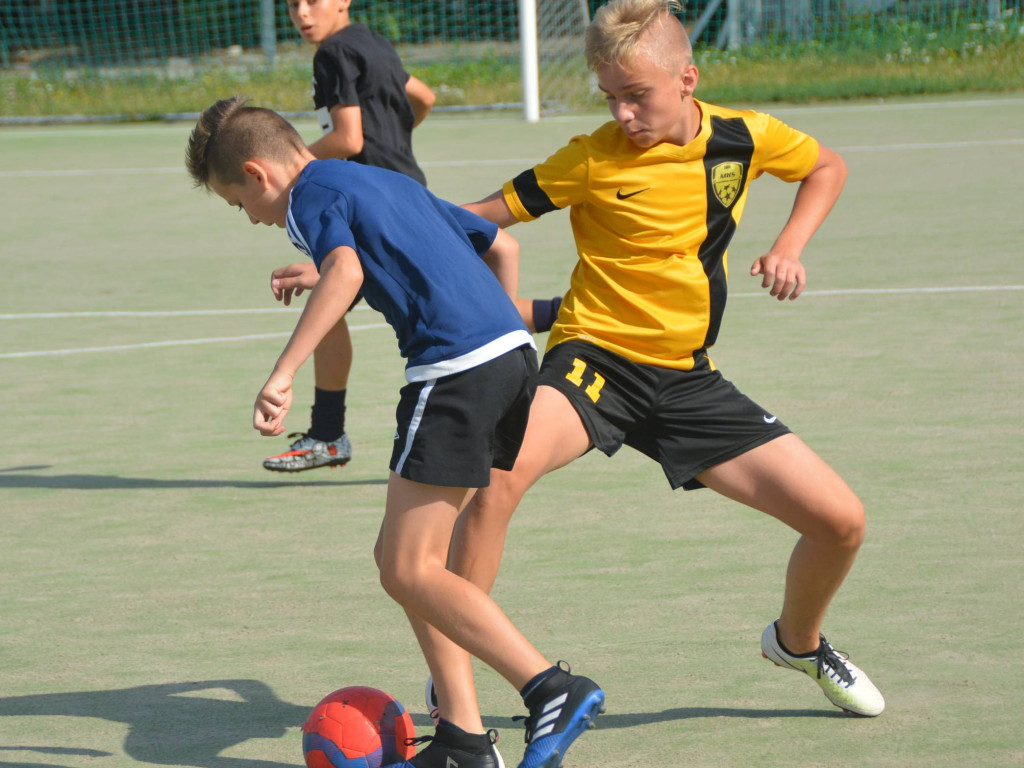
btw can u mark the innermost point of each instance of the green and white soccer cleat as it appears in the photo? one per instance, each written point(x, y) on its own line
point(843, 683)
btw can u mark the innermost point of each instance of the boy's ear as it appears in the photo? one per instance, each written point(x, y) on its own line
point(257, 171)
point(688, 80)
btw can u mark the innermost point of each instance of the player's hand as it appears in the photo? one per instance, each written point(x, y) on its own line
point(292, 280)
point(782, 272)
point(272, 405)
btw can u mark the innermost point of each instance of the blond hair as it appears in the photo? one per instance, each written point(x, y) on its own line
point(229, 133)
point(622, 30)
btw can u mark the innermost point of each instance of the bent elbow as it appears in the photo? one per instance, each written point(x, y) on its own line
point(353, 146)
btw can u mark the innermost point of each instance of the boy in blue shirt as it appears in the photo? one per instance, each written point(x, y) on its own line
point(429, 267)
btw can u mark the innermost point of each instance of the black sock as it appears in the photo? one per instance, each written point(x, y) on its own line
point(544, 313)
point(782, 645)
point(450, 734)
point(328, 420)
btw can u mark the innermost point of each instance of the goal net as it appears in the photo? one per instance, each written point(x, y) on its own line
point(564, 82)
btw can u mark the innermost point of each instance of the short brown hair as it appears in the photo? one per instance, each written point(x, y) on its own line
point(618, 33)
point(229, 133)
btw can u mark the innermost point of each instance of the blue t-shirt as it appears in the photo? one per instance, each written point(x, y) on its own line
point(421, 263)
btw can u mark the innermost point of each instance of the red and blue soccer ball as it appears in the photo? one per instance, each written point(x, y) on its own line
point(357, 727)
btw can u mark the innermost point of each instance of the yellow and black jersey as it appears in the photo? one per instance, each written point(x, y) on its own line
point(652, 227)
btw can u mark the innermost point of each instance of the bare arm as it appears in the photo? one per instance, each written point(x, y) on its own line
point(345, 138)
point(503, 260)
point(292, 280)
point(494, 209)
point(340, 278)
point(421, 97)
point(780, 268)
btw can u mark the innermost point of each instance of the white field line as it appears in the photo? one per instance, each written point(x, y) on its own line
point(254, 337)
point(873, 291)
point(156, 313)
point(361, 308)
point(175, 343)
point(181, 123)
point(519, 162)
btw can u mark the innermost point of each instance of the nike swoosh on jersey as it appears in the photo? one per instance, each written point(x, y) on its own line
point(769, 419)
point(630, 194)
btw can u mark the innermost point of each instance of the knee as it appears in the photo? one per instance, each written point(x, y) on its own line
point(496, 503)
point(378, 553)
point(395, 580)
point(848, 523)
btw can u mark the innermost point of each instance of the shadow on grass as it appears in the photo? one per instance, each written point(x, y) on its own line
point(693, 713)
point(612, 721)
point(191, 724)
point(174, 723)
point(116, 482)
point(51, 751)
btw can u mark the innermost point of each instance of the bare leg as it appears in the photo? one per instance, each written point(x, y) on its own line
point(450, 667)
point(555, 436)
point(413, 549)
point(479, 537)
point(332, 358)
point(452, 672)
point(788, 481)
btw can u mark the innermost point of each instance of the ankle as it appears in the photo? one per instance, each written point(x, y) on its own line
point(453, 736)
point(797, 643)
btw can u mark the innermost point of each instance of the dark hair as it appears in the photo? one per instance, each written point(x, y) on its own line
point(229, 133)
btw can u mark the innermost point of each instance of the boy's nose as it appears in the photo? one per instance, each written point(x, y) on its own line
point(253, 219)
point(623, 113)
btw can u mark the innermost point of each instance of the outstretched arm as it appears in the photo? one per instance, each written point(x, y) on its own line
point(340, 278)
point(494, 209)
point(780, 268)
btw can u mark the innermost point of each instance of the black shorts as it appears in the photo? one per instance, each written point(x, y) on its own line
point(453, 430)
point(687, 421)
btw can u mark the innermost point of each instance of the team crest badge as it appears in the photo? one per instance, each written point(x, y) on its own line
point(726, 179)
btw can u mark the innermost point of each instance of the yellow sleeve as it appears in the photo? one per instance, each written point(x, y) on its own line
point(783, 151)
point(508, 189)
point(560, 181)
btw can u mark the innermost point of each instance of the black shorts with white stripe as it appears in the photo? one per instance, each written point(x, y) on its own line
point(453, 430)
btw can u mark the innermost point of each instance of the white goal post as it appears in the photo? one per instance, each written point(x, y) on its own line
point(555, 77)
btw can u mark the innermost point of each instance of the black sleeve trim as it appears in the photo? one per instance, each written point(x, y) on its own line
point(533, 198)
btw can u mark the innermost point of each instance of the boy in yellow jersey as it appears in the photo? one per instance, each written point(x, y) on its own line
point(655, 197)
